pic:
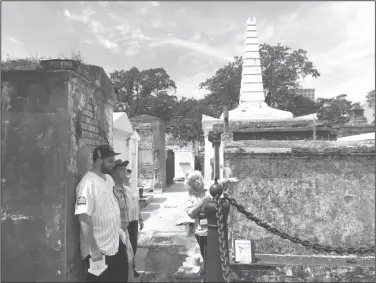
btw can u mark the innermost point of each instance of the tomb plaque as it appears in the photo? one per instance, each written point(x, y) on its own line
point(244, 251)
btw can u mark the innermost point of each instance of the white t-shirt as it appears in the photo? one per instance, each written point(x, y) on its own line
point(192, 202)
point(95, 197)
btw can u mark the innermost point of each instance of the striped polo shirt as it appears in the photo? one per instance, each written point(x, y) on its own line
point(95, 197)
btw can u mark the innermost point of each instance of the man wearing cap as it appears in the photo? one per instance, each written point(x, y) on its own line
point(99, 216)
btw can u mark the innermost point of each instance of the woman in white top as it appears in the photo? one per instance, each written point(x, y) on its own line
point(197, 197)
point(134, 214)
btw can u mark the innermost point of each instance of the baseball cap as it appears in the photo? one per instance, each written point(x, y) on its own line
point(119, 163)
point(103, 151)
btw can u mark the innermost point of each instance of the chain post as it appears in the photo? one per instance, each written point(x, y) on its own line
point(217, 256)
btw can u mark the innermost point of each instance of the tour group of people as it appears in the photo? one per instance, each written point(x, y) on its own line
point(110, 218)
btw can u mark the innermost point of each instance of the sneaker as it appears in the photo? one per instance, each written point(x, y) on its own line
point(136, 274)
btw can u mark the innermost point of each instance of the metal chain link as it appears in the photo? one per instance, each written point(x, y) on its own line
point(296, 240)
point(225, 262)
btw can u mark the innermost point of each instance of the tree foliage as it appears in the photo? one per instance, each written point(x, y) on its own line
point(371, 101)
point(143, 92)
point(371, 98)
point(300, 105)
point(281, 68)
point(147, 92)
point(224, 86)
point(335, 110)
point(185, 125)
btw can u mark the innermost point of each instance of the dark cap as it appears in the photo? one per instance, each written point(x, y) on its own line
point(103, 151)
point(119, 163)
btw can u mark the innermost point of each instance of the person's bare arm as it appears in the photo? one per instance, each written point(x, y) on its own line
point(84, 208)
point(193, 210)
point(87, 231)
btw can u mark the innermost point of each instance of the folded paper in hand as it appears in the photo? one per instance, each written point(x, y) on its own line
point(97, 267)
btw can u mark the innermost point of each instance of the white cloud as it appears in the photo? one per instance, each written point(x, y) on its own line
point(156, 23)
point(133, 49)
point(13, 40)
point(196, 36)
point(87, 41)
point(267, 33)
point(95, 26)
point(137, 34)
point(143, 11)
point(189, 87)
point(108, 44)
point(154, 3)
point(199, 48)
point(67, 13)
point(112, 16)
point(84, 18)
point(102, 3)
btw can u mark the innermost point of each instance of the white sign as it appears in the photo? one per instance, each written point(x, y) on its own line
point(97, 267)
point(244, 251)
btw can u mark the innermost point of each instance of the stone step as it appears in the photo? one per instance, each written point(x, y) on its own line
point(188, 272)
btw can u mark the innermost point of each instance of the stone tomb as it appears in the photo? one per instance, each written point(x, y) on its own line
point(356, 125)
point(53, 116)
point(151, 152)
point(253, 119)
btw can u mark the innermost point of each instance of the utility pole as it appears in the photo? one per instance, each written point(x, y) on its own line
point(225, 117)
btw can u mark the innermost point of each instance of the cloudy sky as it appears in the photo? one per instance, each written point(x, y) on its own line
point(191, 40)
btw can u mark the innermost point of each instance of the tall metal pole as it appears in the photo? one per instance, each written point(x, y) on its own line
point(225, 116)
point(216, 144)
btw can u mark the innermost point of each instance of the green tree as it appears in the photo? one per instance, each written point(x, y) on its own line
point(371, 102)
point(142, 92)
point(281, 68)
point(147, 92)
point(335, 110)
point(185, 125)
point(371, 99)
point(300, 105)
point(224, 86)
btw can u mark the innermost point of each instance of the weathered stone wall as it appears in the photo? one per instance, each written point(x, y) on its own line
point(285, 135)
point(295, 269)
point(294, 129)
point(52, 118)
point(324, 194)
